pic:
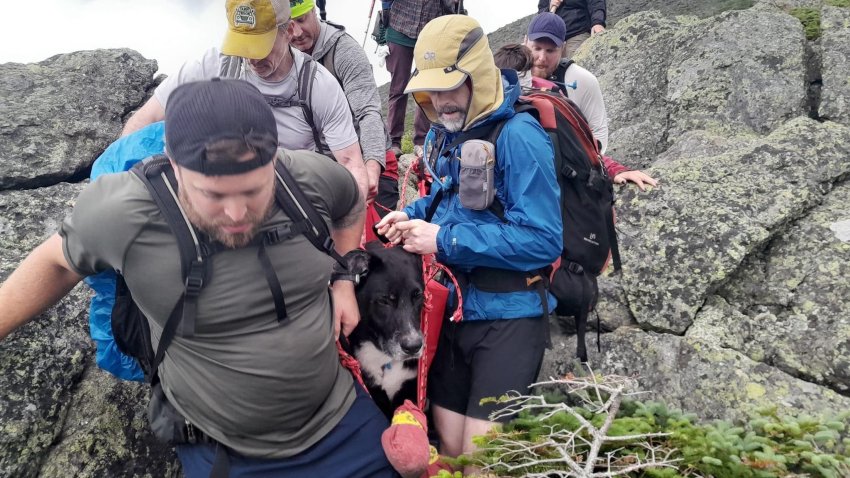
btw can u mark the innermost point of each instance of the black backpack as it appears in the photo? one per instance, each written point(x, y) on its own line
point(587, 200)
point(130, 327)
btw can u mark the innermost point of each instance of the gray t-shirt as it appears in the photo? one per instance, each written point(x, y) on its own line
point(263, 388)
point(328, 102)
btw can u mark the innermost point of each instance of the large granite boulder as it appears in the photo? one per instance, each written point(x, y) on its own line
point(59, 414)
point(682, 241)
point(693, 374)
point(59, 114)
point(667, 77)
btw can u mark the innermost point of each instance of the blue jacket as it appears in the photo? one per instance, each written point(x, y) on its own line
point(526, 186)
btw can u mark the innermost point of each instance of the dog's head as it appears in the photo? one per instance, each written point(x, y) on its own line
point(390, 298)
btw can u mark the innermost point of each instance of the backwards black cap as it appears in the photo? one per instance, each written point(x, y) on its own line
point(202, 113)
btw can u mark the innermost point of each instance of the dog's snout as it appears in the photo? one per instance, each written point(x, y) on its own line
point(411, 344)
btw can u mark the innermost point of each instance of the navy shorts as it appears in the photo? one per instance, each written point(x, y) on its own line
point(485, 358)
point(351, 450)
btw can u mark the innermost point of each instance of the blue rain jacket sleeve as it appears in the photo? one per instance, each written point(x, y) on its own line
point(119, 156)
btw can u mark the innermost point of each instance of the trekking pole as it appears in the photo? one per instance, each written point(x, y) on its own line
point(322, 12)
point(368, 22)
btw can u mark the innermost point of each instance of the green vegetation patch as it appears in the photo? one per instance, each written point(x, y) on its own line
point(810, 18)
point(768, 445)
point(838, 3)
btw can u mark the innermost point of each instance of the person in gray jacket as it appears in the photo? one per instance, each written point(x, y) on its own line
point(330, 45)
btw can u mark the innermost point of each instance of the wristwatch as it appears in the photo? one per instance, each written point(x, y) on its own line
point(357, 267)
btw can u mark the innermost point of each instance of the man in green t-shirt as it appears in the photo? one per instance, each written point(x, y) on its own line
point(262, 394)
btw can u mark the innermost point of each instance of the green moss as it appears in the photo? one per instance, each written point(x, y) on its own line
point(838, 3)
point(810, 18)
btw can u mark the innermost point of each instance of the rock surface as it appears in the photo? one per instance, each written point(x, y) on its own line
point(59, 114)
point(735, 290)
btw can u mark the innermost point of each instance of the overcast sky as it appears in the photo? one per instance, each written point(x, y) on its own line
point(172, 31)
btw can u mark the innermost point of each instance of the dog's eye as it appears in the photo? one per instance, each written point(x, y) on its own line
point(416, 295)
point(386, 300)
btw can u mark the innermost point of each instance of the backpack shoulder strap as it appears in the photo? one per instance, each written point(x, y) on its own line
point(158, 176)
point(230, 66)
point(295, 204)
point(305, 94)
point(328, 59)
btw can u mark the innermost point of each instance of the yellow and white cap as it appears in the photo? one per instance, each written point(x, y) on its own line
point(451, 49)
point(252, 26)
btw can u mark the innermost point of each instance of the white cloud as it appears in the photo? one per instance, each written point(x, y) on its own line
point(173, 31)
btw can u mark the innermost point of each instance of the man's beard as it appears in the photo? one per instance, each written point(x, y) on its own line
point(452, 125)
point(215, 229)
point(540, 72)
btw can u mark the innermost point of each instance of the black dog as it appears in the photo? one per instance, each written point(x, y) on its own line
point(388, 341)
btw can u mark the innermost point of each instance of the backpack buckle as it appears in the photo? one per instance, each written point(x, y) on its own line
point(328, 244)
point(195, 279)
point(191, 437)
point(575, 268)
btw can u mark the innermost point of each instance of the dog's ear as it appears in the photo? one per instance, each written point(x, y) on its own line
point(375, 260)
point(358, 260)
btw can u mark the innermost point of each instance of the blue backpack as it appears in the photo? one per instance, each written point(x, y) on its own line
point(120, 156)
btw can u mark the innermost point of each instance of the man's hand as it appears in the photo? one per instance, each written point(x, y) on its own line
point(346, 312)
point(388, 226)
point(597, 29)
point(553, 5)
point(419, 237)
point(638, 177)
point(373, 170)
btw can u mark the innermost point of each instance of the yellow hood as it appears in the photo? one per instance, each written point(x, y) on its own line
point(449, 50)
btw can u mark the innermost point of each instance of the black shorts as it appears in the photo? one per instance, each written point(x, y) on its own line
point(485, 358)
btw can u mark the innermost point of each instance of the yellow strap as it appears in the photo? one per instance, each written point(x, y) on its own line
point(405, 418)
point(433, 456)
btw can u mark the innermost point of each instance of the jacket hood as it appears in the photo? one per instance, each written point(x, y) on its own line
point(449, 51)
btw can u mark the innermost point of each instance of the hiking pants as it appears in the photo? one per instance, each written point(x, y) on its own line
point(351, 450)
point(399, 64)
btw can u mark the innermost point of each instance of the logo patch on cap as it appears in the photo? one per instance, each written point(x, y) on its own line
point(429, 56)
point(245, 15)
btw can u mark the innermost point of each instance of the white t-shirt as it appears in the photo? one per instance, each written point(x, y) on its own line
point(583, 88)
point(330, 107)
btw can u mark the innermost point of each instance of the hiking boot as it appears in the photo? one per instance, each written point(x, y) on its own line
point(396, 150)
point(418, 150)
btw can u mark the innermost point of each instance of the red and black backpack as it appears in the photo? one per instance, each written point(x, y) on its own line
point(587, 204)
